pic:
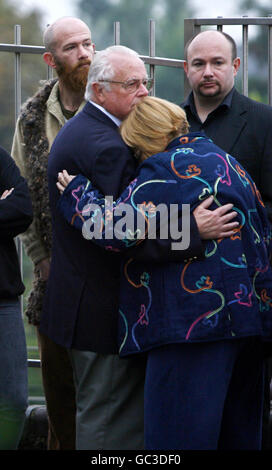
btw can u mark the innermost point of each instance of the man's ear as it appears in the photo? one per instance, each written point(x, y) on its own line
point(236, 64)
point(49, 59)
point(185, 66)
point(98, 92)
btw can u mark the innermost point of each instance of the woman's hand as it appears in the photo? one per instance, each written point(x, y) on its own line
point(63, 180)
point(6, 193)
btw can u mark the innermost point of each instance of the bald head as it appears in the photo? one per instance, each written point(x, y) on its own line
point(211, 66)
point(55, 31)
point(69, 50)
point(209, 37)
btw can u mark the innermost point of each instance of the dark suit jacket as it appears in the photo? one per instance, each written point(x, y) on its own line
point(82, 299)
point(245, 132)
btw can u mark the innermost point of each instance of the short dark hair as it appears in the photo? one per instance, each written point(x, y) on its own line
point(227, 36)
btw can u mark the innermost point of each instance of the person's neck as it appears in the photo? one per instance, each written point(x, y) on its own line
point(116, 119)
point(70, 99)
point(205, 105)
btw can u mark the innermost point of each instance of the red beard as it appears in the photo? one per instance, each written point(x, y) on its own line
point(74, 78)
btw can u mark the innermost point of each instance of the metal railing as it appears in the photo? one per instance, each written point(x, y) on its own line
point(193, 26)
point(18, 49)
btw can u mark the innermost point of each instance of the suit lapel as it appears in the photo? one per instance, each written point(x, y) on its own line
point(235, 123)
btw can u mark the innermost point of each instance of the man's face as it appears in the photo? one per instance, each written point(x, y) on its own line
point(118, 100)
point(209, 67)
point(73, 55)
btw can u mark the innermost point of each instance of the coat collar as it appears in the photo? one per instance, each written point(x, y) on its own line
point(54, 107)
point(113, 118)
point(96, 113)
point(189, 103)
point(234, 123)
point(187, 139)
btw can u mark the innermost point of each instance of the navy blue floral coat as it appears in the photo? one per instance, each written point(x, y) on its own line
point(227, 293)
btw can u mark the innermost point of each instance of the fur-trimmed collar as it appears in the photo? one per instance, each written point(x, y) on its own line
point(36, 150)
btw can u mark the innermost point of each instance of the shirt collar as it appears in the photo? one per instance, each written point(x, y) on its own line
point(113, 118)
point(190, 102)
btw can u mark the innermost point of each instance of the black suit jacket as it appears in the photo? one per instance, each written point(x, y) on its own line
point(245, 132)
point(82, 298)
point(81, 301)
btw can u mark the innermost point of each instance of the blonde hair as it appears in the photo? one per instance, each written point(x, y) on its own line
point(152, 124)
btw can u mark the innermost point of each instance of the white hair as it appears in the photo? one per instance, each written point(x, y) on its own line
point(102, 67)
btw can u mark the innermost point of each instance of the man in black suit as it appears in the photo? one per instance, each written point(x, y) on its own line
point(239, 125)
point(81, 307)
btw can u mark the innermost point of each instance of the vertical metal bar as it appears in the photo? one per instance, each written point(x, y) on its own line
point(270, 64)
point(190, 30)
point(219, 26)
point(117, 33)
point(245, 60)
point(18, 100)
point(152, 51)
point(18, 97)
point(50, 73)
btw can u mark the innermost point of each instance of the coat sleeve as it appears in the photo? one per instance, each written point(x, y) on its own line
point(30, 238)
point(142, 210)
point(160, 250)
point(16, 210)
